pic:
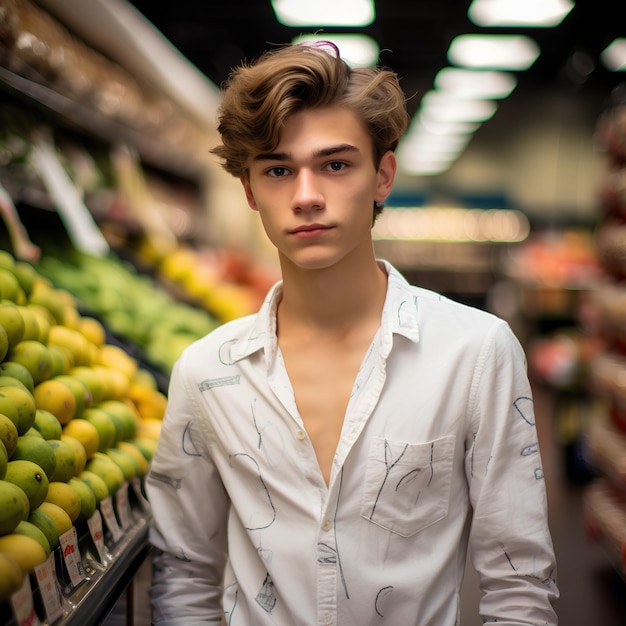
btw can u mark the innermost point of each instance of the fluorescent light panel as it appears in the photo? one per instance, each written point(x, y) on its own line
point(475, 83)
point(356, 50)
point(528, 13)
point(497, 52)
point(352, 13)
point(457, 110)
point(614, 55)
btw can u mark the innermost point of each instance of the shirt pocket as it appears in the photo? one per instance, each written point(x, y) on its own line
point(407, 485)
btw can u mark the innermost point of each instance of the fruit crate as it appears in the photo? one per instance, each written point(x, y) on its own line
point(105, 580)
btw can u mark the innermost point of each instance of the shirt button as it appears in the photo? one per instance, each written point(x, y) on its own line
point(327, 525)
point(300, 434)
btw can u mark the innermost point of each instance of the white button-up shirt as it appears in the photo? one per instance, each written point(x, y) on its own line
point(438, 452)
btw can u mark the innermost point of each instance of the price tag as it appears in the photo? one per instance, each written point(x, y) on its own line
point(143, 502)
point(106, 506)
point(95, 529)
point(71, 556)
point(123, 508)
point(49, 589)
point(22, 605)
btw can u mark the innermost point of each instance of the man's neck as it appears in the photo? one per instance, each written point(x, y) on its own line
point(332, 301)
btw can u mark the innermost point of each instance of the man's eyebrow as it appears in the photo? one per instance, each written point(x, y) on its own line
point(322, 152)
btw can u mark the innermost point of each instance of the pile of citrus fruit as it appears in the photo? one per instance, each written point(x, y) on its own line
point(78, 417)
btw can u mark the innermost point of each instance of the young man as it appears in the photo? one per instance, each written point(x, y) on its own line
point(330, 459)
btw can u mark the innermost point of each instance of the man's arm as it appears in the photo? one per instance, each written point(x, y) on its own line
point(190, 508)
point(510, 543)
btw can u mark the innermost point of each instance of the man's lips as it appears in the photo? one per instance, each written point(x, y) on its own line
point(310, 230)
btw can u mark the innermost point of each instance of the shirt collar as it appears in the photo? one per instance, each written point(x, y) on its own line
point(400, 316)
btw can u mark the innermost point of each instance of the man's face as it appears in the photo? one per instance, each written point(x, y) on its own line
point(315, 192)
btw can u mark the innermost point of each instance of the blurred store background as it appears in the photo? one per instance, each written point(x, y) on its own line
point(511, 196)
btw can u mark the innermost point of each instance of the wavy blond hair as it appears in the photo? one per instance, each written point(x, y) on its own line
point(258, 97)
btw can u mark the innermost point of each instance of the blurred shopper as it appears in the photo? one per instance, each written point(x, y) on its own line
point(331, 459)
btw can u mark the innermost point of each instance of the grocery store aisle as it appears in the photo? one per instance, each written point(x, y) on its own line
point(592, 592)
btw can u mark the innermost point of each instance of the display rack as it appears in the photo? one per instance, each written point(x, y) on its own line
point(604, 499)
point(106, 579)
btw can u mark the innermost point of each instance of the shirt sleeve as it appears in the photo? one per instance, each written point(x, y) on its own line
point(510, 543)
point(190, 509)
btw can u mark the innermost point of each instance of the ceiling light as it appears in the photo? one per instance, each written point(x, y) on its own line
point(443, 127)
point(475, 83)
point(356, 50)
point(503, 52)
point(458, 110)
point(530, 13)
point(614, 55)
point(324, 12)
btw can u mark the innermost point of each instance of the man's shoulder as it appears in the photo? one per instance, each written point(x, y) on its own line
point(441, 308)
point(228, 332)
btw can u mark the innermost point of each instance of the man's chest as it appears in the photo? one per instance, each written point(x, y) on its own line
point(322, 382)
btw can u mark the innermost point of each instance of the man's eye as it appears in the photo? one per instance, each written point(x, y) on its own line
point(336, 166)
point(277, 172)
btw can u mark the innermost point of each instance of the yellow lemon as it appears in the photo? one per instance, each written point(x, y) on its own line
point(8, 408)
point(62, 357)
point(25, 405)
point(87, 498)
point(46, 525)
point(26, 275)
point(86, 433)
point(96, 483)
point(66, 462)
point(109, 471)
point(73, 340)
point(146, 445)
point(4, 460)
point(31, 323)
point(4, 343)
point(37, 450)
point(31, 479)
point(126, 462)
point(11, 577)
point(12, 321)
point(11, 506)
point(18, 371)
point(59, 362)
point(116, 358)
point(30, 530)
point(9, 286)
point(105, 425)
point(91, 379)
point(79, 451)
point(8, 434)
point(58, 515)
point(44, 321)
point(61, 494)
point(93, 330)
point(80, 390)
point(47, 424)
point(35, 357)
point(55, 396)
point(26, 551)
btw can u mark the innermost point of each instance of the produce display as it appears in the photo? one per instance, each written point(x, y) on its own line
point(79, 419)
point(605, 498)
point(131, 305)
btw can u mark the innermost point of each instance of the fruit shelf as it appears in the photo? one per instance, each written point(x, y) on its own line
point(106, 579)
point(604, 512)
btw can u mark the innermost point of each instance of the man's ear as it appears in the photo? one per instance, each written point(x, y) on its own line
point(245, 181)
point(386, 175)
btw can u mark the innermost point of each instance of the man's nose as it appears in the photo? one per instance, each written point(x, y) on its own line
point(308, 194)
